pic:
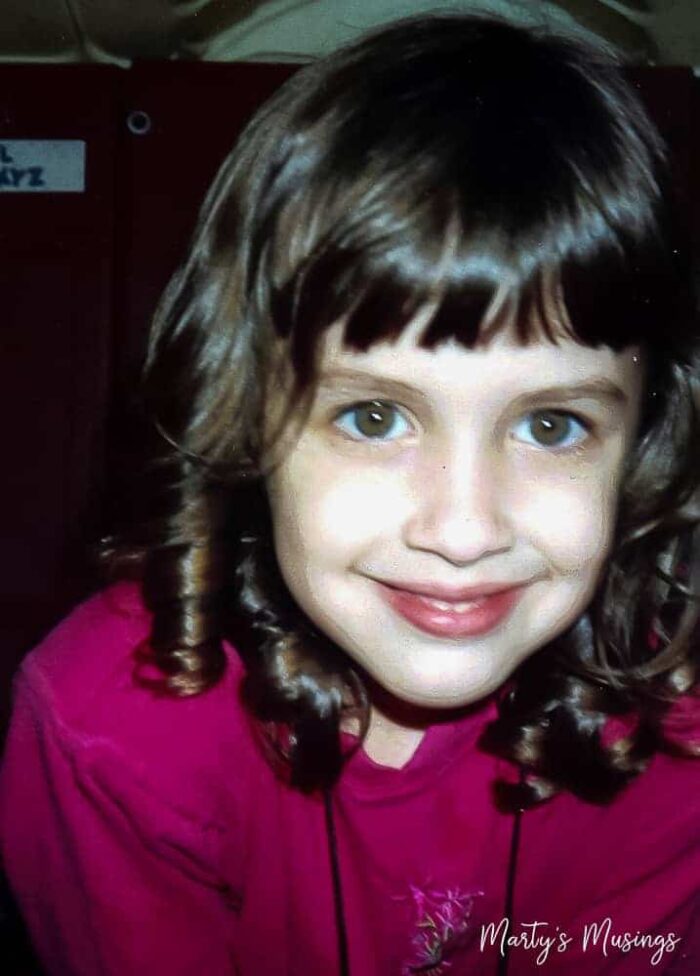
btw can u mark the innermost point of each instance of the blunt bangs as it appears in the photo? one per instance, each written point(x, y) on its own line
point(473, 185)
point(614, 292)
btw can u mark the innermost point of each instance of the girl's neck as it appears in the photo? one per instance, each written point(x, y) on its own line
point(396, 728)
point(389, 743)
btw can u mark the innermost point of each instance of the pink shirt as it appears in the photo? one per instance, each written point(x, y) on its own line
point(146, 836)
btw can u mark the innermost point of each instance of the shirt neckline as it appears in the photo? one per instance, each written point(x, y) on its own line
point(442, 744)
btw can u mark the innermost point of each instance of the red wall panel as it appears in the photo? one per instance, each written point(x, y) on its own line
point(56, 295)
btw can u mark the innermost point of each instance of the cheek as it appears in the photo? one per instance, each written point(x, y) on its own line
point(571, 521)
point(355, 507)
point(323, 512)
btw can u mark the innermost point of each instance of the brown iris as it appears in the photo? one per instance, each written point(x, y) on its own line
point(374, 419)
point(550, 428)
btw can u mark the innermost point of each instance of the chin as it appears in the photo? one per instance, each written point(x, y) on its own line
point(419, 691)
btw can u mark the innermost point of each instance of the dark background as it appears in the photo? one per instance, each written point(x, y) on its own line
point(80, 275)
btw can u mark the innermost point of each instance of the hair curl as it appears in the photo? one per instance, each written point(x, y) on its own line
point(433, 161)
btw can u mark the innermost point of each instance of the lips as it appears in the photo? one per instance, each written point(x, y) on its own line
point(452, 613)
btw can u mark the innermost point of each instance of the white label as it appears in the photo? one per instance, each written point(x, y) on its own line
point(42, 166)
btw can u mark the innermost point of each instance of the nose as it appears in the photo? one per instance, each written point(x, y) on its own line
point(460, 510)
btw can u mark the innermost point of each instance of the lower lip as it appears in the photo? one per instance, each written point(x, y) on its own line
point(473, 621)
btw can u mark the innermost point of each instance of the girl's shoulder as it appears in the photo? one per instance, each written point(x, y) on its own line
point(680, 727)
point(79, 685)
point(78, 659)
point(86, 664)
point(682, 723)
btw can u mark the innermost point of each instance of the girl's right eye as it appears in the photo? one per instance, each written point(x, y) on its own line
point(372, 420)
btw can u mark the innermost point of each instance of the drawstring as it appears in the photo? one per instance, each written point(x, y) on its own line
point(502, 969)
point(341, 931)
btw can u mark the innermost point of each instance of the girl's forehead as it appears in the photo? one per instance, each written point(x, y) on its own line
point(499, 362)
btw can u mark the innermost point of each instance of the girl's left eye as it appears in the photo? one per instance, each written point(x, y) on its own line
point(373, 420)
point(552, 428)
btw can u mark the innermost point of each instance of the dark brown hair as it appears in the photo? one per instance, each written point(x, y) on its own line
point(434, 161)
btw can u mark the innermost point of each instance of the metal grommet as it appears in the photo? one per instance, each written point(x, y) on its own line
point(138, 122)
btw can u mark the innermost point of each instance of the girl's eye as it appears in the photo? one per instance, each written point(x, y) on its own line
point(552, 428)
point(374, 420)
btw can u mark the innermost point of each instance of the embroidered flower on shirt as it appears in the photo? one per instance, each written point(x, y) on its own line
point(442, 921)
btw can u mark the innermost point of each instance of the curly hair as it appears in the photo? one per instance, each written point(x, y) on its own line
point(438, 160)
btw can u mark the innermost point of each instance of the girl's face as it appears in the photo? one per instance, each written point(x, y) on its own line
point(445, 513)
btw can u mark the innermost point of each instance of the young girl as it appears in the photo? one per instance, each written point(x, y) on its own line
point(406, 681)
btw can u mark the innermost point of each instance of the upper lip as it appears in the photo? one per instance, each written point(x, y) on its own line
point(452, 594)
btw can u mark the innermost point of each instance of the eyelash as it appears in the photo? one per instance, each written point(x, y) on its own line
point(396, 413)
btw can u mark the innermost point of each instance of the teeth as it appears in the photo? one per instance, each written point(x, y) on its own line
point(459, 607)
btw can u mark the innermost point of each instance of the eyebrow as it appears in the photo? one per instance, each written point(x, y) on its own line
point(596, 388)
point(359, 379)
